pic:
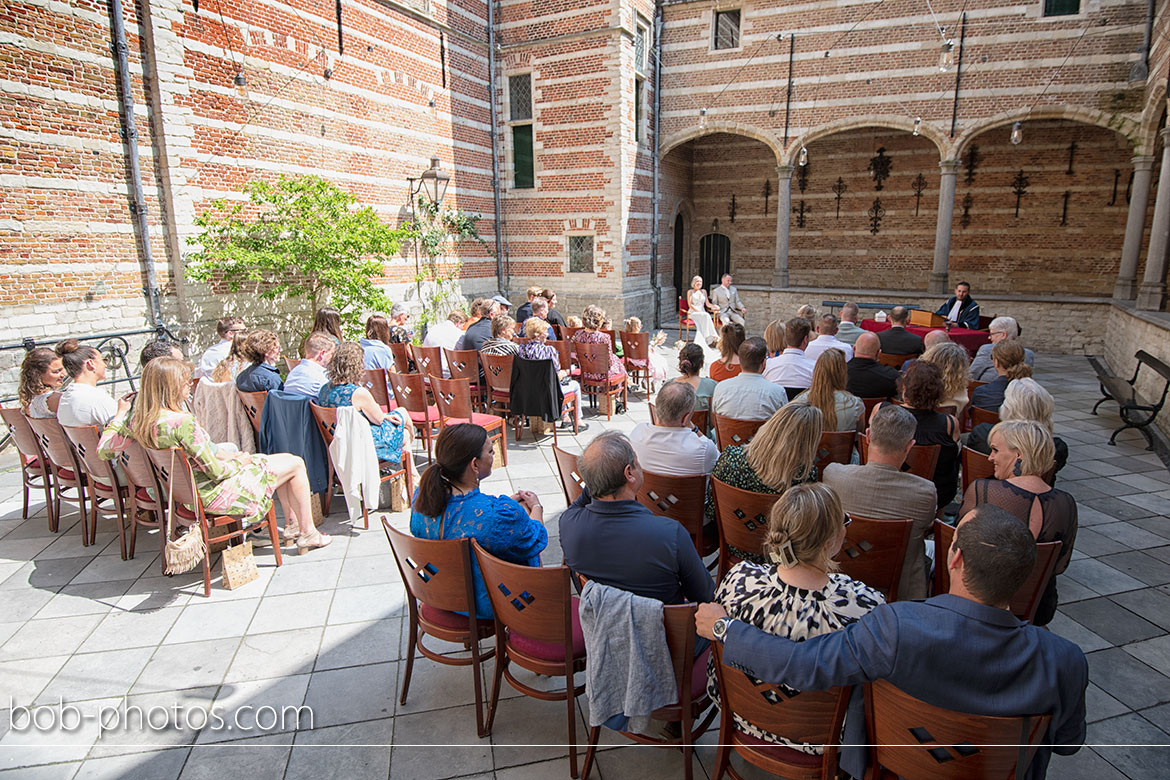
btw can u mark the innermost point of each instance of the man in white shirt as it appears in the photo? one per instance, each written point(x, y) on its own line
point(671, 446)
point(792, 368)
point(446, 334)
point(748, 395)
point(827, 339)
point(848, 330)
point(83, 402)
point(309, 376)
point(227, 328)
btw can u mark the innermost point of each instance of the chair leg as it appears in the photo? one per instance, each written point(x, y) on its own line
point(504, 443)
point(497, 677)
point(572, 706)
point(591, 751)
point(120, 507)
point(477, 682)
point(274, 533)
point(410, 645)
point(722, 758)
point(24, 511)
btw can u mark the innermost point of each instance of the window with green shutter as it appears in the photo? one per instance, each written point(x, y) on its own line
point(525, 175)
point(1061, 7)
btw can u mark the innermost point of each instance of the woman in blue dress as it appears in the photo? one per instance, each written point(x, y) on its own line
point(448, 505)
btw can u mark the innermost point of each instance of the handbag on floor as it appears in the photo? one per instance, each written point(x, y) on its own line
point(239, 566)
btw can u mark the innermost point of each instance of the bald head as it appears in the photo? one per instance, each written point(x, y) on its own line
point(868, 345)
point(900, 315)
point(935, 337)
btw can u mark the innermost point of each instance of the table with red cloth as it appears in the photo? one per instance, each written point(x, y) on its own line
point(971, 340)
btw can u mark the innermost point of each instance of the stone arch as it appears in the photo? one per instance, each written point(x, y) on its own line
point(860, 123)
point(1123, 126)
point(673, 142)
point(1151, 120)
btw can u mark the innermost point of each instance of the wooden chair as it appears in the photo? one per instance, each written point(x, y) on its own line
point(913, 739)
point(453, 398)
point(566, 358)
point(894, 361)
point(497, 370)
point(921, 460)
point(538, 629)
point(464, 364)
point(144, 496)
point(254, 407)
point(980, 416)
point(835, 447)
point(291, 363)
point(815, 717)
point(701, 419)
point(1027, 599)
point(403, 363)
point(594, 360)
point(68, 473)
point(375, 382)
point(571, 483)
point(874, 551)
point(326, 419)
point(870, 403)
point(411, 394)
point(636, 347)
point(613, 340)
point(975, 465)
point(567, 335)
point(729, 431)
point(742, 516)
point(179, 482)
point(679, 623)
point(103, 483)
point(34, 466)
point(684, 317)
point(429, 360)
point(439, 580)
point(681, 499)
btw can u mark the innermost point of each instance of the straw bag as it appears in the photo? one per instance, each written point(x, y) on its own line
point(239, 566)
point(185, 553)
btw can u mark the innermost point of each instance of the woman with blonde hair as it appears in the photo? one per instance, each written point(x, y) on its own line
point(700, 311)
point(41, 375)
point(1007, 357)
point(391, 430)
point(774, 338)
point(228, 369)
point(229, 483)
point(955, 364)
point(843, 411)
point(593, 321)
point(731, 337)
point(808, 314)
point(1022, 454)
point(797, 593)
point(1024, 399)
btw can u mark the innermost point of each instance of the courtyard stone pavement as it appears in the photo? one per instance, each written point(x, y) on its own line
point(80, 626)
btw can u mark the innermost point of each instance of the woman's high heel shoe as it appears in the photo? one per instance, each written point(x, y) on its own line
point(306, 542)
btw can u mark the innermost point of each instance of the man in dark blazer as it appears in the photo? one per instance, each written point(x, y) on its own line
point(867, 377)
point(961, 308)
point(962, 650)
point(897, 340)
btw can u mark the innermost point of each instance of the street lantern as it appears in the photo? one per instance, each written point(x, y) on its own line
point(434, 181)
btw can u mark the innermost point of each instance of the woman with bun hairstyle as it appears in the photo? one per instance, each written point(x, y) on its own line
point(41, 375)
point(690, 362)
point(1007, 357)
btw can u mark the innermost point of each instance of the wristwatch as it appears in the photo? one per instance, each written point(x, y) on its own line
point(719, 629)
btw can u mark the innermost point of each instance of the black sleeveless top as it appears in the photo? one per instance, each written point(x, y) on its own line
point(938, 428)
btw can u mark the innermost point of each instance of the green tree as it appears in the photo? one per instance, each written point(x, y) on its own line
point(298, 238)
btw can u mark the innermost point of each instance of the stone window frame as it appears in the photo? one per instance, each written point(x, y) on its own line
point(715, 12)
point(569, 236)
point(509, 123)
point(1035, 11)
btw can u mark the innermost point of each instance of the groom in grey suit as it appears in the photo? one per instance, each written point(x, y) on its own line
point(726, 297)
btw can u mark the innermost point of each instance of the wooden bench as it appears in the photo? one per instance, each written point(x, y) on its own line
point(1135, 411)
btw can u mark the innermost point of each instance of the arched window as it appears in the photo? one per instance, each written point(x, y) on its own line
point(714, 258)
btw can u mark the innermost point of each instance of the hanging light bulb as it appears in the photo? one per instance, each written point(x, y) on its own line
point(1017, 134)
point(702, 119)
point(946, 57)
point(917, 125)
point(802, 158)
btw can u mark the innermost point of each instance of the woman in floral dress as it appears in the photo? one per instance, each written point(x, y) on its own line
point(593, 321)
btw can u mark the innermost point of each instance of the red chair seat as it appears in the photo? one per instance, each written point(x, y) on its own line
point(778, 752)
point(103, 486)
point(488, 421)
point(34, 464)
point(549, 651)
point(699, 675)
point(143, 495)
point(452, 621)
point(431, 414)
point(66, 474)
point(182, 511)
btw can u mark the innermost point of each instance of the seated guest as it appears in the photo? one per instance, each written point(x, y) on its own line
point(480, 330)
point(922, 393)
point(671, 446)
point(1022, 452)
point(881, 490)
point(594, 324)
point(897, 340)
point(446, 333)
point(798, 593)
point(504, 304)
point(1024, 399)
point(748, 395)
point(657, 365)
point(791, 369)
point(807, 313)
point(848, 330)
point(961, 309)
point(263, 349)
point(962, 651)
point(952, 361)
point(690, 362)
point(228, 482)
point(391, 430)
point(503, 329)
point(328, 321)
point(156, 349)
point(83, 402)
point(310, 375)
point(540, 310)
point(607, 536)
point(226, 328)
point(375, 344)
point(781, 454)
point(41, 375)
point(399, 333)
point(731, 337)
point(473, 316)
point(867, 377)
point(537, 348)
point(554, 317)
point(525, 310)
point(1007, 357)
point(230, 367)
point(449, 505)
point(842, 410)
point(774, 338)
point(826, 338)
point(1000, 329)
point(573, 322)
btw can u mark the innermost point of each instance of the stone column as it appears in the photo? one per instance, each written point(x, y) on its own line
point(1153, 290)
point(1135, 226)
point(949, 170)
point(783, 217)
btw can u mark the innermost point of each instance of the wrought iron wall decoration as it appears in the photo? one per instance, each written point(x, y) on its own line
point(767, 194)
point(800, 212)
point(1116, 179)
point(973, 160)
point(1020, 188)
point(919, 186)
point(876, 212)
point(802, 177)
point(968, 202)
point(839, 190)
point(1072, 151)
point(879, 167)
point(1064, 211)
point(731, 210)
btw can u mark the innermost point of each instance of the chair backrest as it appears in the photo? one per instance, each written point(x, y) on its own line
point(27, 441)
point(521, 340)
point(684, 308)
point(743, 523)
point(1027, 599)
point(55, 444)
point(874, 551)
point(895, 361)
point(429, 360)
point(291, 363)
point(437, 572)
point(138, 470)
point(498, 370)
point(567, 332)
point(453, 397)
point(571, 482)
point(179, 479)
point(975, 465)
point(835, 447)
point(533, 601)
point(463, 364)
point(612, 340)
point(410, 391)
point(253, 404)
point(85, 441)
point(401, 353)
point(921, 460)
point(870, 403)
point(701, 419)
point(594, 359)
point(815, 717)
point(375, 382)
point(914, 739)
point(679, 498)
point(729, 431)
point(979, 416)
point(653, 413)
point(635, 345)
point(974, 383)
point(562, 348)
point(326, 419)
point(679, 622)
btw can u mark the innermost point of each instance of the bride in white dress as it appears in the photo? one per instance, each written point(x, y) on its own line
point(700, 314)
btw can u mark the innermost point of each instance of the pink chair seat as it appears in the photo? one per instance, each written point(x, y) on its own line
point(779, 752)
point(64, 473)
point(431, 414)
point(550, 651)
point(449, 620)
point(143, 495)
point(699, 675)
point(484, 420)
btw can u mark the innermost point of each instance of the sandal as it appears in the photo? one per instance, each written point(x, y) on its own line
point(289, 535)
point(318, 539)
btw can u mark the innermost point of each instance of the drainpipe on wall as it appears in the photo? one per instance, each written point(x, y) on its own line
point(130, 133)
point(1141, 69)
point(493, 131)
point(654, 164)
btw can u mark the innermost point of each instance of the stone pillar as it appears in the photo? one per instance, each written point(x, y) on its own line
point(1135, 226)
point(949, 170)
point(1153, 290)
point(783, 217)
